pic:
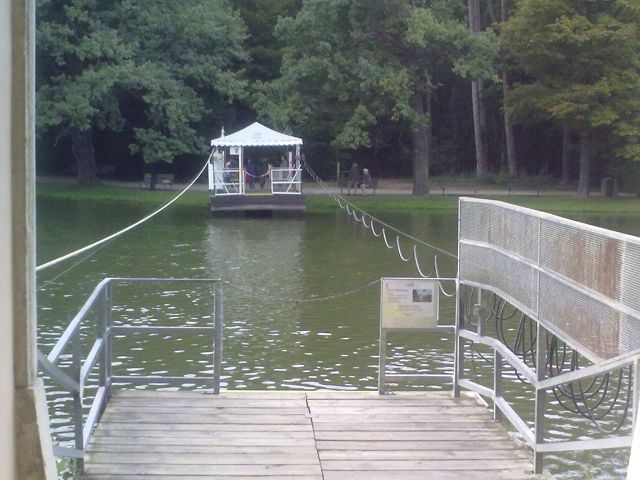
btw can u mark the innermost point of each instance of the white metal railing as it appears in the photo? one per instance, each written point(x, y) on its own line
point(573, 281)
point(73, 379)
point(227, 182)
point(286, 181)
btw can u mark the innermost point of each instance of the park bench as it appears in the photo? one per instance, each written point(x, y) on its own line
point(164, 179)
point(446, 185)
point(344, 181)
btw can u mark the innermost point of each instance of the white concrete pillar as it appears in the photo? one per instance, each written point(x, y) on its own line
point(25, 442)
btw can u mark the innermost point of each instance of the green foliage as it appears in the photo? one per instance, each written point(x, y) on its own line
point(581, 66)
point(153, 68)
point(350, 65)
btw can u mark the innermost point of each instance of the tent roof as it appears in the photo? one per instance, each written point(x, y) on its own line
point(255, 135)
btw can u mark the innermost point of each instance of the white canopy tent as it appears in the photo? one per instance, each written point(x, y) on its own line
point(231, 181)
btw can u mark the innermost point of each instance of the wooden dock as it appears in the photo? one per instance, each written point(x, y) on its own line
point(312, 435)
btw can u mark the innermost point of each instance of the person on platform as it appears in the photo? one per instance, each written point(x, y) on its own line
point(354, 178)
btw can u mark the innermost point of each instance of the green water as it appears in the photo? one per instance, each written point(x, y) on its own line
point(288, 324)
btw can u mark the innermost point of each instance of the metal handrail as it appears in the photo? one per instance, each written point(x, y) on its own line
point(293, 181)
point(533, 436)
point(101, 354)
point(222, 185)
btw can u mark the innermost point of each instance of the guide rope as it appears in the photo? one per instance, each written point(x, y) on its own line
point(360, 216)
point(126, 229)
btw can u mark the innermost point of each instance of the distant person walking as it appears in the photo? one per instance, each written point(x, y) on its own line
point(354, 178)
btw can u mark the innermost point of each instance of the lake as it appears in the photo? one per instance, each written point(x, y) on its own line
point(301, 302)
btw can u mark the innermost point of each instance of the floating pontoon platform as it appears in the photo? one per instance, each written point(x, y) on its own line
point(265, 203)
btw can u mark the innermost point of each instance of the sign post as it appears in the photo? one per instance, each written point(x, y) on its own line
point(408, 305)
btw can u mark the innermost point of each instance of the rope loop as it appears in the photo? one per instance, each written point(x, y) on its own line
point(384, 237)
point(373, 230)
point(400, 251)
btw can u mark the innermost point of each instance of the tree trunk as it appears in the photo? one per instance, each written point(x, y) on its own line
point(84, 153)
point(585, 165)
point(421, 143)
point(566, 146)
point(512, 160)
point(477, 87)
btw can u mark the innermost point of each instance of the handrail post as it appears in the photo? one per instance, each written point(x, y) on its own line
point(218, 318)
point(78, 420)
point(497, 383)
point(107, 349)
point(458, 357)
point(541, 363)
point(100, 330)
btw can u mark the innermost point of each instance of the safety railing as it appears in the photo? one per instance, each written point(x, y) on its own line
point(577, 293)
point(286, 181)
point(227, 182)
point(74, 378)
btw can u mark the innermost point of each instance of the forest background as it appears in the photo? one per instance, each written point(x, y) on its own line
point(497, 90)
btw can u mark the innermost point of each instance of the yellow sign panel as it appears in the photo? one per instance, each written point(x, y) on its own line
point(410, 303)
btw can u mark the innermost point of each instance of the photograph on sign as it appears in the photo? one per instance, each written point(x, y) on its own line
point(410, 303)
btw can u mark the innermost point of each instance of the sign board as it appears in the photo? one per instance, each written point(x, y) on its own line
point(409, 303)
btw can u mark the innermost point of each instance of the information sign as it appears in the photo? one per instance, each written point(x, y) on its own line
point(409, 303)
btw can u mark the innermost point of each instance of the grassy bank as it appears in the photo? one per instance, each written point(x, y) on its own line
point(553, 204)
point(324, 203)
point(122, 195)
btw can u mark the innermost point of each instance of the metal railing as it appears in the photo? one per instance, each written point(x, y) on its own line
point(286, 181)
point(227, 182)
point(519, 255)
point(73, 379)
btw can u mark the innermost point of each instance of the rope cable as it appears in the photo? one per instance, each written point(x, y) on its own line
point(126, 229)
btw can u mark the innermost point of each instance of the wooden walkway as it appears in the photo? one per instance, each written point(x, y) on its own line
point(315, 435)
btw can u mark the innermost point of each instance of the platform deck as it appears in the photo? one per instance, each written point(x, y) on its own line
point(312, 435)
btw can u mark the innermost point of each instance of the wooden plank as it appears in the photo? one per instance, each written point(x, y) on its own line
point(318, 418)
point(219, 427)
point(208, 433)
point(249, 394)
point(426, 465)
point(384, 402)
point(130, 469)
point(366, 394)
point(385, 436)
point(199, 477)
point(204, 449)
point(207, 401)
point(209, 410)
point(475, 424)
point(196, 442)
point(292, 458)
point(488, 454)
point(414, 445)
point(401, 410)
point(517, 474)
point(204, 419)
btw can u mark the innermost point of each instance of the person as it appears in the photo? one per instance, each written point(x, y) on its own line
point(251, 174)
point(366, 181)
point(284, 164)
point(354, 178)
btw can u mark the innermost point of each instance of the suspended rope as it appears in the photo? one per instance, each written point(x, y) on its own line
point(415, 257)
point(124, 230)
point(384, 237)
point(400, 251)
point(359, 215)
point(373, 230)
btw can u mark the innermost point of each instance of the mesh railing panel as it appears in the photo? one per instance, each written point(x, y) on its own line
point(581, 282)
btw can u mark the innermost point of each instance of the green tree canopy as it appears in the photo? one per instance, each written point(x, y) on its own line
point(157, 68)
point(580, 65)
point(350, 64)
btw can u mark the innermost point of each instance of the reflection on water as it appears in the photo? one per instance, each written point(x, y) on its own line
point(279, 331)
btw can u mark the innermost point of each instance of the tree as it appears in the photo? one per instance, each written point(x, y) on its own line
point(477, 99)
point(512, 161)
point(580, 65)
point(153, 68)
point(349, 65)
